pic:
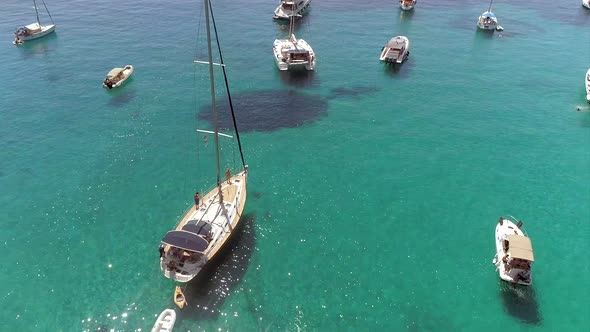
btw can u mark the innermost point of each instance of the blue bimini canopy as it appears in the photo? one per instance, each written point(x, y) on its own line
point(186, 240)
point(488, 15)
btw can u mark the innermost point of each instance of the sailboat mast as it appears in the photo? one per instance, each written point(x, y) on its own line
point(37, 12)
point(213, 108)
point(490, 9)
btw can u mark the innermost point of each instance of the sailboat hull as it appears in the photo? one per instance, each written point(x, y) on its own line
point(181, 265)
point(44, 31)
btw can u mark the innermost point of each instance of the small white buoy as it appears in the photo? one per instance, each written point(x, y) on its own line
point(499, 28)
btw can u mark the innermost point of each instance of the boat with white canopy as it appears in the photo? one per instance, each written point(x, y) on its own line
point(291, 8)
point(396, 50)
point(36, 29)
point(117, 76)
point(206, 226)
point(514, 252)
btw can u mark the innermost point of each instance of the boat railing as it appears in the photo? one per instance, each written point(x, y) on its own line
point(519, 224)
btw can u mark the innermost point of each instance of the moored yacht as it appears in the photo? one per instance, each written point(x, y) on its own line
point(514, 252)
point(209, 223)
point(487, 21)
point(34, 30)
point(407, 4)
point(293, 53)
point(117, 76)
point(396, 50)
point(291, 8)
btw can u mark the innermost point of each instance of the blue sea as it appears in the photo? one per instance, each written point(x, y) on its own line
point(374, 191)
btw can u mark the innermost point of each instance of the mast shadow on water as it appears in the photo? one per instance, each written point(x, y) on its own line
point(520, 302)
point(206, 293)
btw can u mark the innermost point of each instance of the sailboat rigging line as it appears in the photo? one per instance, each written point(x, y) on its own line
point(231, 106)
point(44, 5)
point(36, 12)
point(213, 109)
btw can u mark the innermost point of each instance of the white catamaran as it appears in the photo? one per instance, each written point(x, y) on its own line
point(207, 225)
point(293, 53)
point(34, 30)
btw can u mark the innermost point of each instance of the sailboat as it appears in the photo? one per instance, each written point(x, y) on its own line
point(487, 20)
point(293, 53)
point(206, 226)
point(36, 29)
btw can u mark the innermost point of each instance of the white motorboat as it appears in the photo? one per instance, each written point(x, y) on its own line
point(293, 53)
point(34, 30)
point(209, 223)
point(407, 4)
point(165, 321)
point(290, 8)
point(586, 3)
point(396, 50)
point(514, 252)
point(117, 76)
point(587, 83)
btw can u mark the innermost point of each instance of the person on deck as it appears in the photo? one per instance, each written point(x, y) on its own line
point(197, 199)
point(227, 175)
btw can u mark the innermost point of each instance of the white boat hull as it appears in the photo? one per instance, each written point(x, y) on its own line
point(487, 24)
point(396, 55)
point(407, 5)
point(126, 74)
point(223, 219)
point(587, 82)
point(586, 3)
point(283, 13)
point(45, 30)
point(285, 61)
point(165, 321)
point(513, 275)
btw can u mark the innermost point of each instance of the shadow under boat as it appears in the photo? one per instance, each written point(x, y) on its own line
point(520, 302)
point(298, 78)
point(206, 293)
point(39, 46)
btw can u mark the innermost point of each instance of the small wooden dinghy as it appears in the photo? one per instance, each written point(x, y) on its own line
point(117, 76)
point(165, 321)
point(179, 298)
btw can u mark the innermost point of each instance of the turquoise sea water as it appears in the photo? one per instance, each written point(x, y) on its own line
point(373, 192)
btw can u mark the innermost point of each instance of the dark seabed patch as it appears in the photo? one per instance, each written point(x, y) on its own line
point(121, 97)
point(268, 110)
point(520, 302)
point(206, 293)
point(352, 92)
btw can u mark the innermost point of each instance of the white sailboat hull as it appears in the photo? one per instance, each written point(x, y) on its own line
point(44, 30)
point(223, 218)
point(165, 321)
point(486, 23)
point(407, 5)
point(513, 275)
point(586, 3)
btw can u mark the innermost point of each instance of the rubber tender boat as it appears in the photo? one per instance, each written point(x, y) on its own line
point(117, 76)
point(514, 252)
point(165, 322)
